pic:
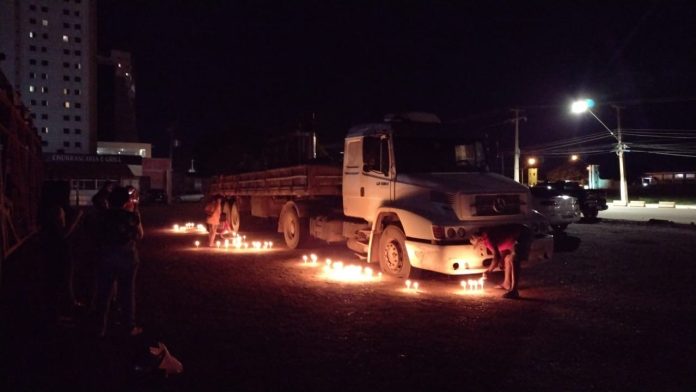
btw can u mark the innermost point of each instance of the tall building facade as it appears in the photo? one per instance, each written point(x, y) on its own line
point(48, 52)
point(116, 98)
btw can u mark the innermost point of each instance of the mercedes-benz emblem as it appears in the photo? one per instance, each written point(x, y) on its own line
point(499, 204)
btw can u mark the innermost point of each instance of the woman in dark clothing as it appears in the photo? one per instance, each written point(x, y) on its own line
point(119, 232)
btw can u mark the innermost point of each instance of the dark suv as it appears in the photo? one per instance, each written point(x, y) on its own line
point(591, 201)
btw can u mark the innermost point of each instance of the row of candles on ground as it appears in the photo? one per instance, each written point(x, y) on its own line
point(239, 242)
point(336, 270)
point(189, 227)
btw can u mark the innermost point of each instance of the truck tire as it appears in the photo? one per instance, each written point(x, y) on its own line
point(234, 217)
point(393, 258)
point(295, 229)
point(590, 213)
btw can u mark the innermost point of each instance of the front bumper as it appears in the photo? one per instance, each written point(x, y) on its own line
point(467, 259)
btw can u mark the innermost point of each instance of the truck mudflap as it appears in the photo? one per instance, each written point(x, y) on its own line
point(468, 259)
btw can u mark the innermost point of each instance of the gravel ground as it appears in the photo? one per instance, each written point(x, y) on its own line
point(612, 311)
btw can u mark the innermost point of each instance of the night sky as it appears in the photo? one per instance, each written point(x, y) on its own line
point(215, 71)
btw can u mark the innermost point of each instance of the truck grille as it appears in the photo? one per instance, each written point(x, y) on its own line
point(492, 205)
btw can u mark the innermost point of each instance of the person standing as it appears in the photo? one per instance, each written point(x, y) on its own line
point(213, 210)
point(58, 221)
point(510, 245)
point(119, 233)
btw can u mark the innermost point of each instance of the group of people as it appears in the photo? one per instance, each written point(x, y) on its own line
point(113, 228)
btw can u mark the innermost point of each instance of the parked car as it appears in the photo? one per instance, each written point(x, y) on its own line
point(561, 210)
point(591, 201)
point(154, 196)
point(189, 197)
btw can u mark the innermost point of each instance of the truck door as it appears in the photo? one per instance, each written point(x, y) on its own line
point(376, 180)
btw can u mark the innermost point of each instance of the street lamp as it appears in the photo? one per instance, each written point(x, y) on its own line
point(574, 157)
point(531, 161)
point(585, 105)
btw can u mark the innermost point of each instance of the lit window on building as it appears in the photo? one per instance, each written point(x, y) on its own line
point(78, 65)
point(31, 89)
point(32, 34)
point(66, 104)
point(65, 38)
point(66, 91)
point(44, 22)
point(44, 89)
point(44, 129)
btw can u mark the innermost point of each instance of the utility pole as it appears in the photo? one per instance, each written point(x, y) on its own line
point(620, 148)
point(517, 142)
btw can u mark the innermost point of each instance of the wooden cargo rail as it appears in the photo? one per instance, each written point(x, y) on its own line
point(298, 181)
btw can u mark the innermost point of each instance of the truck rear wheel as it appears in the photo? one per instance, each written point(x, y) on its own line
point(295, 229)
point(590, 213)
point(234, 218)
point(393, 258)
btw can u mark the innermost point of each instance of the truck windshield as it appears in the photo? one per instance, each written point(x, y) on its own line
point(438, 155)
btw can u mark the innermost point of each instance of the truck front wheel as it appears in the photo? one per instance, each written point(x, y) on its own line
point(295, 229)
point(393, 258)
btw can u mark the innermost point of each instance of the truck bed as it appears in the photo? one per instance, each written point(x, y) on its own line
point(301, 181)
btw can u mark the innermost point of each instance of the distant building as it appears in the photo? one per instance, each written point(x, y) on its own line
point(116, 98)
point(49, 50)
point(143, 150)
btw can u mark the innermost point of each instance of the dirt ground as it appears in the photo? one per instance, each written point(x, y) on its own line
point(614, 310)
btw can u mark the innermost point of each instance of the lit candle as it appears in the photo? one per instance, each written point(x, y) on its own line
point(217, 243)
point(408, 284)
point(304, 258)
point(197, 243)
point(415, 286)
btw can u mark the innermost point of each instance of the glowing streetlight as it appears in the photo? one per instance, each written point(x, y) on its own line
point(531, 161)
point(584, 105)
point(574, 157)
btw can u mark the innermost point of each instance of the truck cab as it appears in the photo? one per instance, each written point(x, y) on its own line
point(427, 196)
